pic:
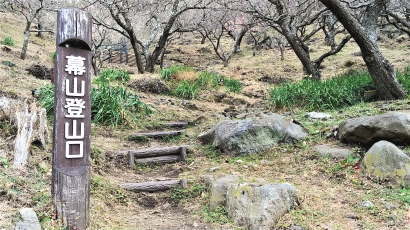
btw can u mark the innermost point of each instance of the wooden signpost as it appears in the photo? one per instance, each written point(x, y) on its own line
point(72, 119)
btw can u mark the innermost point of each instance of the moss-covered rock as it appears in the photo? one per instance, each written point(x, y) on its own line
point(259, 206)
point(237, 137)
point(385, 162)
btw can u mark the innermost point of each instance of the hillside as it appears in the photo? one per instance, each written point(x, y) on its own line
point(331, 192)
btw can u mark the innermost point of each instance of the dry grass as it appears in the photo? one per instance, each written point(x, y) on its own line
point(186, 75)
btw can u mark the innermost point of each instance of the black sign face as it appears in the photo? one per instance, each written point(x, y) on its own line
point(72, 110)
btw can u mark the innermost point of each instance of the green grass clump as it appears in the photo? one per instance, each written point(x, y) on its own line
point(218, 215)
point(232, 85)
point(46, 98)
point(210, 79)
point(402, 195)
point(8, 41)
point(186, 89)
point(404, 78)
point(110, 75)
point(110, 105)
point(116, 106)
point(168, 73)
point(337, 92)
point(179, 194)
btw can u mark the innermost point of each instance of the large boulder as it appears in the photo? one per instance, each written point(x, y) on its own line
point(259, 206)
point(393, 126)
point(218, 188)
point(385, 162)
point(238, 137)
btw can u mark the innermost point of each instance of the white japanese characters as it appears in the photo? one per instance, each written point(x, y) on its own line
point(74, 108)
point(75, 65)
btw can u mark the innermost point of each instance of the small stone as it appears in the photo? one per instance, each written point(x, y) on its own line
point(318, 116)
point(296, 227)
point(29, 220)
point(367, 204)
point(213, 169)
point(334, 152)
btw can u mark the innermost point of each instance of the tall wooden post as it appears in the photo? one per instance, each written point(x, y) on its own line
point(71, 151)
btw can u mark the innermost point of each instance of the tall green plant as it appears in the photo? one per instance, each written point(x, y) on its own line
point(344, 90)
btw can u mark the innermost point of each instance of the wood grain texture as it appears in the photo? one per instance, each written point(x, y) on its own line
point(158, 160)
point(71, 177)
point(158, 134)
point(156, 155)
point(154, 186)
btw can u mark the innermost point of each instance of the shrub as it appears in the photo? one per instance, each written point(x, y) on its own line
point(186, 89)
point(340, 91)
point(109, 105)
point(170, 72)
point(8, 41)
point(111, 75)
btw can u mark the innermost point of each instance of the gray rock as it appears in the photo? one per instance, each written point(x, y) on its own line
point(393, 127)
point(367, 204)
point(332, 151)
point(259, 206)
point(296, 227)
point(318, 116)
point(247, 136)
point(29, 220)
point(385, 162)
point(218, 188)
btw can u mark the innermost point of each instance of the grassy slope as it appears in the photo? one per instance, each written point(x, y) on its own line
point(331, 192)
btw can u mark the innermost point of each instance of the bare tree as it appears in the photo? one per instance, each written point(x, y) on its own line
point(30, 10)
point(147, 24)
point(379, 67)
point(298, 22)
point(217, 25)
point(397, 13)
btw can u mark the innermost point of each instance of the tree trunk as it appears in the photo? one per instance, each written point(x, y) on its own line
point(380, 69)
point(203, 40)
point(329, 30)
point(301, 51)
point(25, 41)
point(370, 19)
point(137, 54)
point(238, 40)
